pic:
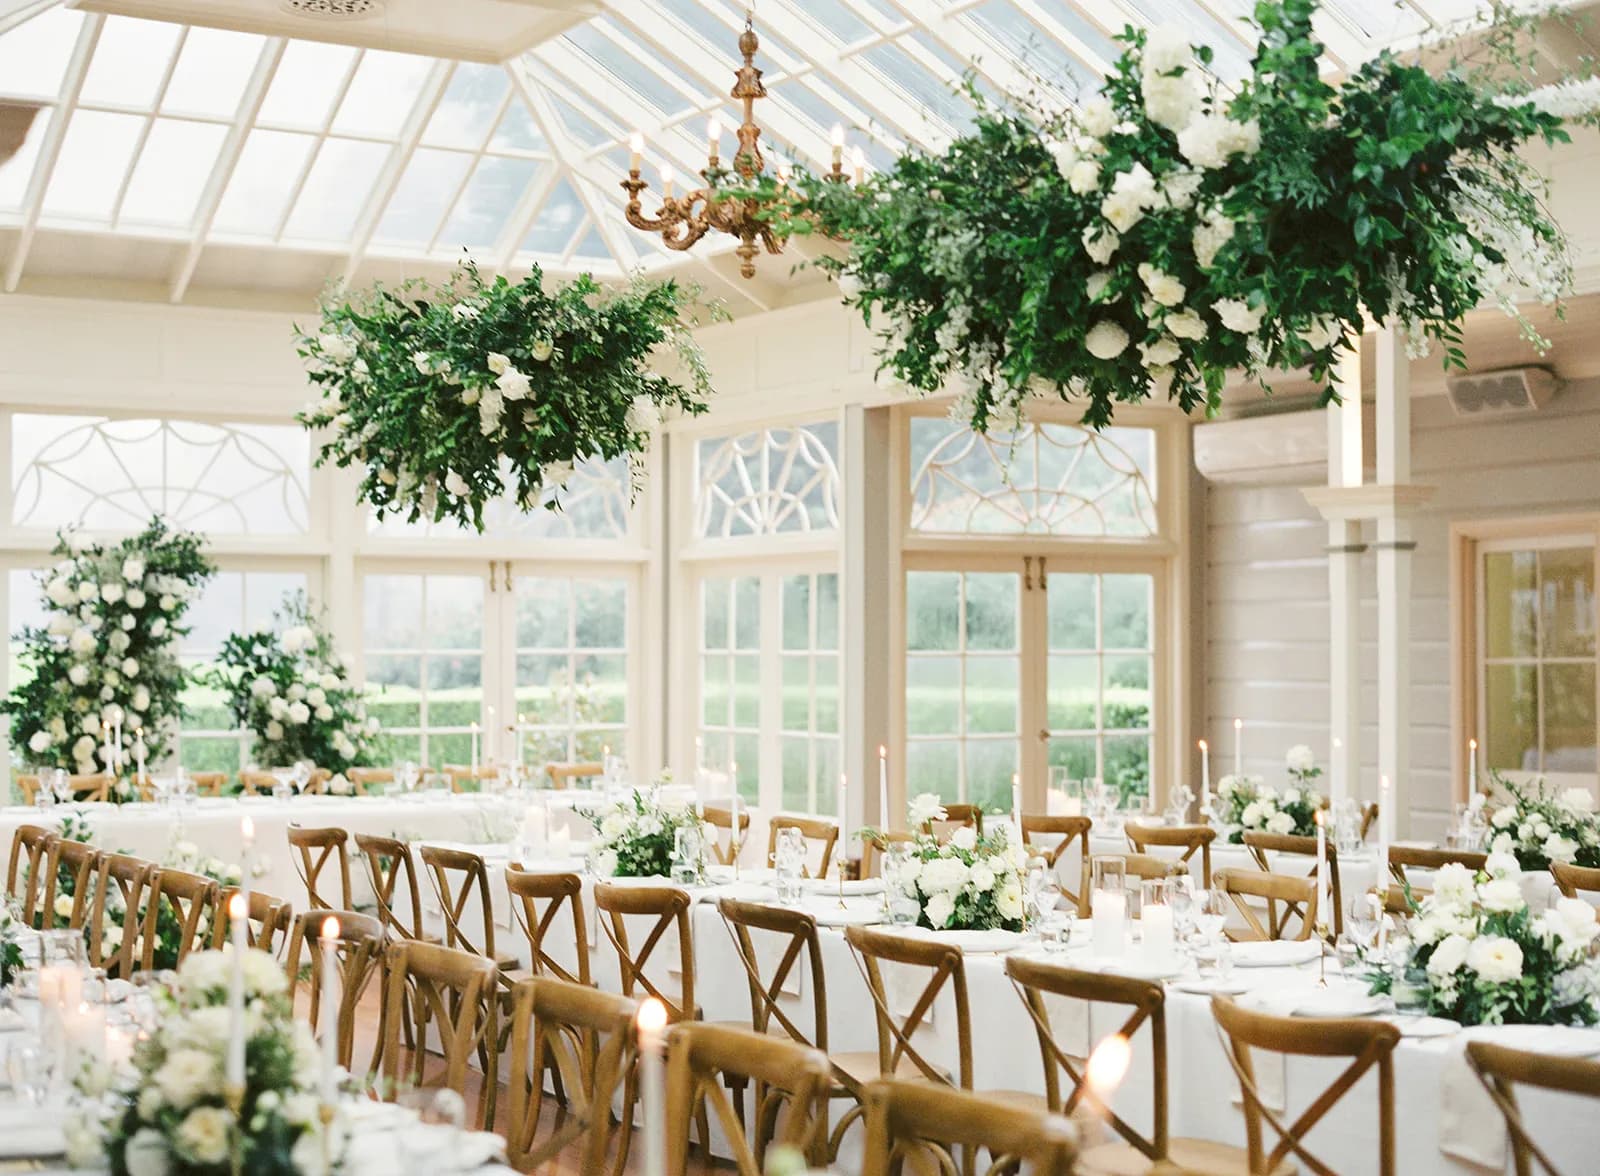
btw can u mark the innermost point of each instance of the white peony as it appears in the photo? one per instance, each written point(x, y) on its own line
point(1453, 885)
point(924, 807)
point(1300, 759)
point(1502, 864)
point(943, 874)
point(1100, 243)
point(1496, 959)
point(1106, 340)
point(1008, 898)
point(1501, 895)
point(939, 909)
point(1280, 823)
point(1575, 921)
point(965, 838)
point(1448, 957)
point(1084, 177)
point(186, 1076)
point(1163, 287)
point(1559, 849)
point(1164, 352)
point(1097, 118)
point(206, 1134)
point(1236, 315)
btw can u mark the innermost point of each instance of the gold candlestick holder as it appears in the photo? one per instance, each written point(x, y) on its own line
point(233, 1096)
point(326, 1113)
point(1322, 954)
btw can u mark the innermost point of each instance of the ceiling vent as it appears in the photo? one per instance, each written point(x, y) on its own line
point(334, 9)
point(1524, 389)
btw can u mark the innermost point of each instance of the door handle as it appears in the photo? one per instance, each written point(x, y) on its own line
point(1044, 734)
point(1027, 573)
point(507, 584)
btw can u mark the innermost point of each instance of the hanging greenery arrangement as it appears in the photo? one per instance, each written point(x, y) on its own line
point(1170, 231)
point(108, 657)
point(446, 396)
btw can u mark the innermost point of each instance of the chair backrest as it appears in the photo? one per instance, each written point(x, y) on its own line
point(819, 835)
point(1570, 879)
point(1366, 1043)
point(1146, 1000)
point(587, 1037)
point(1192, 839)
point(366, 780)
point(462, 775)
point(562, 775)
point(69, 869)
point(956, 816)
point(917, 1126)
point(457, 875)
point(872, 849)
point(255, 783)
point(1414, 857)
point(25, 871)
point(267, 921)
point(453, 993)
point(792, 1079)
point(1262, 844)
point(1298, 897)
point(721, 820)
point(186, 910)
point(208, 783)
point(1502, 1069)
point(528, 890)
point(801, 950)
point(1369, 818)
point(122, 890)
point(669, 906)
point(93, 786)
point(360, 947)
point(1146, 866)
point(1060, 833)
point(390, 866)
point(313, 850)
point(944, 968)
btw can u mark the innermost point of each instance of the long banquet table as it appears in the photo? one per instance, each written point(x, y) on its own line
point(1202, 1092)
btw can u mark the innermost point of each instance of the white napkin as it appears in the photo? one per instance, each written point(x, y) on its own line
point(1471, 1128)
point(31, 1132)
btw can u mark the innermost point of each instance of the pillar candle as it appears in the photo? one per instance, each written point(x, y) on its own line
point(1238, 747)
point(1109, 921)
point(238, 910)
point(883, 787)
point(139, 751)
point(85, 1035)
point(329, 1012)
point(1016, 802)
point(652, 1021)
point(1156, 936)
point(1205, 779)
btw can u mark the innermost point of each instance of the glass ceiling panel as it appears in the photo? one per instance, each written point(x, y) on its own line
point(212, 71)
point(628, 70)
point(517, 130)
point(1379, 20)
point(1033, 49)
point(263, 180)
point(34, 56)
point(382, 93)
point(480, 215)
point(467, 111)
point(420, 200)
point(922, 87)
point(130, 60)
point(580, 125)
point(14, 175)
point(557, 220)
point(94, 157)
point(839, 20)
point(172, 170)
point(341, 179)
point(310, 77)
point(592, 247)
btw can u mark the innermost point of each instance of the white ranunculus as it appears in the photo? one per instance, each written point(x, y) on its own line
point(186, 1076)
point(1097, 118)
point(1106, 340)
point(147, 1154)
point(1300, 759)
point(1164, 352)
point(1501, 895)
point(965, 838)
point(1453, 885)
point(1236, 315)
point(456, 484)
point(1496, 959)
point(1084, 177)
point(40, 742)
point(1449, 956)
point(939, 909)
point(1280, 823)
point(1100, 243)
point(205, 1135)
point(924, 807)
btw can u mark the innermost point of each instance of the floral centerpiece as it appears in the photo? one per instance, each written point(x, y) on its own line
point(450, 395)
point(639, 834)
point(168, 1113)
point(1483, 958)
point(289, 686)
point(108, 657)
point(1147, 241)
point(1539, 828)
point(1246, 804)
point(971, 882)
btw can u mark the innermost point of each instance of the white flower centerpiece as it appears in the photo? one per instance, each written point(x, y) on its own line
point(167, 1113)
point(968, 883)
point(1482, 957)
point(638, 835)
point(1539, 828)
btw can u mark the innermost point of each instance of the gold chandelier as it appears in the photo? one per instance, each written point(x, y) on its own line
point(684, 220)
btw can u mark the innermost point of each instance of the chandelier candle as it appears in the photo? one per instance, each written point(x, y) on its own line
point(238, 909)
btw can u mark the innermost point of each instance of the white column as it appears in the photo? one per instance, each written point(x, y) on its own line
point(1394, 547)
point(1345, 469)
point(864, 595)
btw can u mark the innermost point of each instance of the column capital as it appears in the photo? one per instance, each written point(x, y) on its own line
point(1351, 503)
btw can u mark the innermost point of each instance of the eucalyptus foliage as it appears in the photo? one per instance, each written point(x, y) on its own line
point(446, 396)
point(1169, 231)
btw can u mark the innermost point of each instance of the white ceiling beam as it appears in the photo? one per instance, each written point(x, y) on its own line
point(255, 92)
point(433, 87)
point(992, 61)
point(50, 147)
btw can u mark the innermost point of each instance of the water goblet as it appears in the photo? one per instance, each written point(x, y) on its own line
point(29, 1070)
point(1055, 929)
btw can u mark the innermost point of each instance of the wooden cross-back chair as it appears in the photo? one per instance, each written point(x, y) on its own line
point(461, 775)
point(1287, 900)
point(898, 1057)
point(366, 780)
point(956, 816)
point(360, 945)
point(563, 775)
point(26, 869)
point(457, 994)
point(1415, 857)
point(458, 876)
point(69, 866)
point(1191, 839)
point(1065, 831)
point(1369, 818)
point(1146, 866)
point(259, 783)
point(556, 892)
point(1366, 1043)
point(791, 1080)
point(390, 867)
point(266, 922)
point(720, 818)
point(90, 787)
point(123, 883)
point(874, 847)
point(314, 850)
point(208, 783)
point(1571, 879)
point(1502, 1069)
point(819, 835)
point(669, 907)
point(587, 1038)
point(1146, 1004)
point(1293, 845)
point(919, 1127)
point(192, 900)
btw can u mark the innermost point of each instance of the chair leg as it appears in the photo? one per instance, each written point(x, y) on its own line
point(630, 1091)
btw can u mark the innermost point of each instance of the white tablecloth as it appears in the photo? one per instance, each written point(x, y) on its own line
point(1202, 1091)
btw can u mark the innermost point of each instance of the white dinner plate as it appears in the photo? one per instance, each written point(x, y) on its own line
point(851, 886)
point(849, 917)
point(976, 942)
point(1275, 953)
point(1228, 987)
point(1339, 1002)
point(1560, 1041)
point(1139, 969)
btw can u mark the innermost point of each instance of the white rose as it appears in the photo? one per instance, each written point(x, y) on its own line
point(128, 622)
point(147, 1153)
point(130, 667)
point(330, 681)
point(1100, 243)
point(1097, 118)
point(187, 1075)
point(63, 906)
point(1084, 177)
point(206, 1135)
point(965, 838)
point(1252, 814)
point(81, 642)
point(939, 909)
point(158, 627)
point(1106, 340)
point(1280, 823)
point(136, 598)
point(263, 975)
point(1448, 957)
point(274, 731)
point(299, 712)
point(1163, 287)
point(1166, 48)
point(111, 593)
point(141, 698)
point(324, 713)
point(1496, 959)
point(1501, 895)
point(513, 385)
point(167, 603)
point(40, 742)
point(316, 696)
point(1186, 324)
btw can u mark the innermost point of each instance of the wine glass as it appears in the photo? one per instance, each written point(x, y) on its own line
point(61, 785)
point(1362, 921)
point(1212, 915)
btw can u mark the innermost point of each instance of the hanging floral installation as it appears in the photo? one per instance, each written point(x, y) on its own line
point(1169, 231)
point(447, 396)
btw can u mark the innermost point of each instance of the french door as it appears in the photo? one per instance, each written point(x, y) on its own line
point(1020, 663)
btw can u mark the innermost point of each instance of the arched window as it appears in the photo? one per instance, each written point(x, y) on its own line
point(769, 482)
